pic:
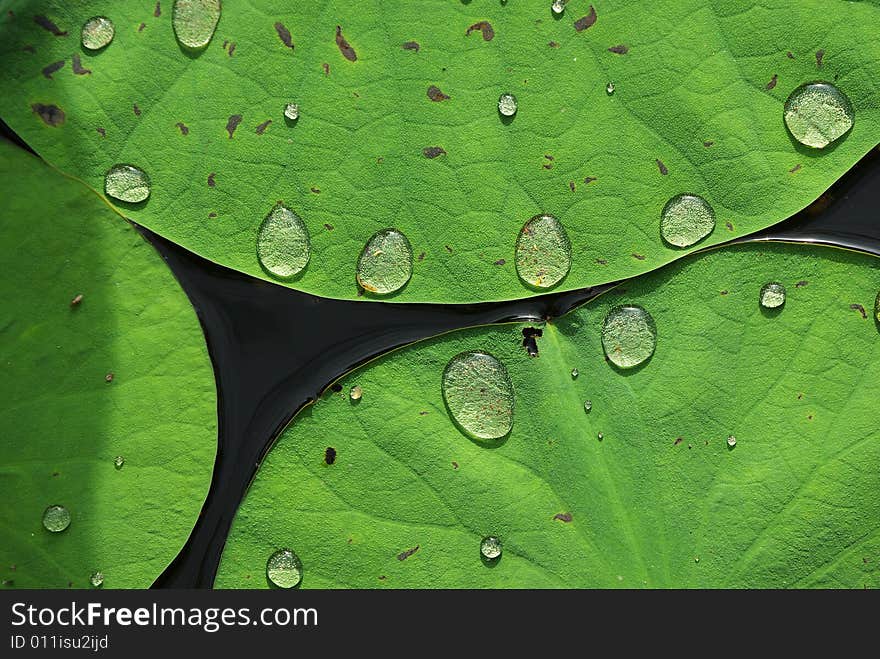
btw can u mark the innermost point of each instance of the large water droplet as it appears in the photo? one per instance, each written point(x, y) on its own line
point(356, 392)
point(818, 113)
point(629, 336)
point(283, 245)
point(507, 105)
point(772, 295)
point(479, 395)
point(543, 252)
point(195, 21)
point(97, 579)
point(558, 6)
point(686, 219)
point(97, 32)
point(284, 569)
point(291, 111)
point(56, 518)
point(490, 548)
point(127, 183)
point(386, 262)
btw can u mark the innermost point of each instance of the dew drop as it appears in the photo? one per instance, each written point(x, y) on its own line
point(127, 183)
point(817, 114)
point(356, 393)
point(97, 32)
point(609, 88)
point(386, 262)
point(97, 579)
point(629, 336)
point(558, 6)
point(195, 21)
point(600, 436)
point(283, 569)
point(574, 374)
point(543, 252)
point(291, 111)
point(731, 441)
point(588, 406)
point(56, 518)
point(686, 219)
point(479, 395)
point(490, 548)
point(118, 462)
point(507, 105)
point(877, 308)
point(283, 245)
point(772, 295)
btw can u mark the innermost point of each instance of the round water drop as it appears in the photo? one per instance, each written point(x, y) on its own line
point(284, 569)
point(609, 88)
point(629, 336)
point(507, 105)
point(731, 441)
point(118, 462)
point(543, 252)
point(195, 21)
point(490, 548)
point(291, 111)
point(686, 219)
point(97, 579)
point(818, 113)
point(386, 262)
point(600, 436)
point(283, 245)
point(588, 406)
point(772, 295)
point(97, 32)
point(479, 395)
point(558, 6)
point(356, 392)
point(127, 183)
point(56, 518)
point(574, 374)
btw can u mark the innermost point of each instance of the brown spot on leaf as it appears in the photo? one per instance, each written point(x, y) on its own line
point(483, 26)
point(109, 377)
point(571, 186)
point(772, 83)
point(76, 300)
point(78, 68)
point(640, 257)
point(724, 292)
point(619, 49)
point(157, 12)
point(589, 179)
point(411, 45)
point(47, 24)
point(801, 283)
point(211, 181)
point(212, 215)
point(436, 95)
point(708, 143)
point(330, 455)
point(184, 129)
point(678, 440)
point(52, 68)
point(402, 556)
point(794, 169)
point(137, 110)
point(262, 127)
point(819, 55)
point(326, 68)
point(553, 44)
point(433, 151)
point(51, 115)
point(345, 47)
point(500, 262)
point(587, 21)
point(101, 131)
point(284, 35)
point(860, 309)
point(789, 55)
point(232, 124)
point(454, 464)
point(329, 227)
point(661, 167)
point(729, 226)
point(141, 27)
point(563, 517)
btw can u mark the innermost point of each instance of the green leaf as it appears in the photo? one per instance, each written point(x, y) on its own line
point(121, 371)
point(792, 504)
point(694, 73)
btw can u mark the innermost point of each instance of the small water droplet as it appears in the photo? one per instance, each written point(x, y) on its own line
point(127, 183)
point(543, 252)
point(56, 518)
point(479, 395)
point(686, 219)
point(291, 111)
point(629, 336)
point(195, 21)
point(731, 441)
point(772, 295)
point(118, 462)
point(97, 32)
point(386, 262)
point(284, 569)
point(558, 6)
point(600, 436)
point(609, 88)
point(507, 105)
point(356, 392)
point(97, 579)
point(588, 406)
point(877, 308)
point(490, 548)
point(574, 374)
point(283, 244)
point(817, 114)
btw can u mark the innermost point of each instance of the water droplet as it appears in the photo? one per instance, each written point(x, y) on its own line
point(686, 219)
point(490, 547)
point(356, 392)
point(877, 308)
point(56, 518)
point(283, 245)
point(818, 113)
point(609, 88)
point(600, 436)
point(118, 462)
point(772, 295)
point(558, 6)
point(127, 183)
point(284, 569)
point(97, 32)
point(574, 374)
point(507, 105)
point(731, 441)
point(97, 579)
point(291, 111)
point(195, 21)
point(543, 252)
point(385, 264)
point(479, 395)
point(629, 336)
point(588, 406)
